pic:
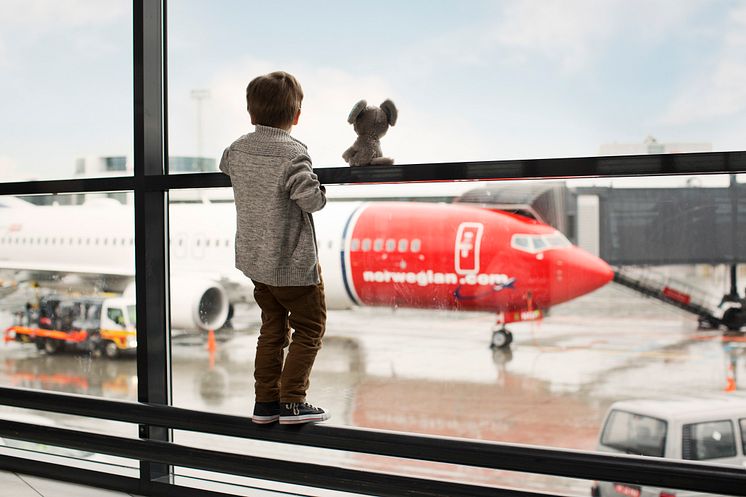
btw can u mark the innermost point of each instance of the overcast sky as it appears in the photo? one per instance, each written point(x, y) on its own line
point(473, 80)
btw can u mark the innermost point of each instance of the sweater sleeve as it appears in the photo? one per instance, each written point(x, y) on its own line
point(224, 161)
point(303, 185)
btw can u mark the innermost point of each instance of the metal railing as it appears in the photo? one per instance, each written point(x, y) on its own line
point(497, 456)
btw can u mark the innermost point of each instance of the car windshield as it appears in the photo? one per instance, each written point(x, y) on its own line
point(635, 434)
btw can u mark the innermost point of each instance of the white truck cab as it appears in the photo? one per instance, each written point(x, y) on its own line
point(706, 429)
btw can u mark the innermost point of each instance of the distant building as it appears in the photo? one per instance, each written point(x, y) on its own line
point(652, 146)
point(122, 165)
point(117, 165)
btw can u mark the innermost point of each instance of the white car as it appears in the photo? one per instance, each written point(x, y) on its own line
point(707, 429)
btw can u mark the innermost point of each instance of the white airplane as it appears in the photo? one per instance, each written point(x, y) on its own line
point(407, 254)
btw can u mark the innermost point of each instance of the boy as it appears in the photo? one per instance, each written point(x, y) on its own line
point(275, 192)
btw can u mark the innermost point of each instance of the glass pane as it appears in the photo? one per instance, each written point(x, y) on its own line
point(471, 335)
point(494, 80)
point(66, 309)
point(67, 89)
point(709, 440)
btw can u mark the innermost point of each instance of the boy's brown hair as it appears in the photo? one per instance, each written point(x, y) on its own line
point(274, 99)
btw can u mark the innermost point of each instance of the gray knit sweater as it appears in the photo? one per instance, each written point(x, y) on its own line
point(275, 191)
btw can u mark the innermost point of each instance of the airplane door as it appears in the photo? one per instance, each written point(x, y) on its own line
point(468, 242)
point(198, 246)
point(179, 246)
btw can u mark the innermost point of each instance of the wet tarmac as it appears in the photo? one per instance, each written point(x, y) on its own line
point(434, 373)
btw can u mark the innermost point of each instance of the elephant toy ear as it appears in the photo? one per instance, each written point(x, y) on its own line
point(390, 109)
point(359, 107)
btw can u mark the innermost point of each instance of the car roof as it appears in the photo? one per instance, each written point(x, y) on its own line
point(684, 408)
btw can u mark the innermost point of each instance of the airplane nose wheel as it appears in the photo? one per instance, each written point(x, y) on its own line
point(501, 338)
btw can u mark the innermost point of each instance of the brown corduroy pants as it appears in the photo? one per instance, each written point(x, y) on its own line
point(302, 309)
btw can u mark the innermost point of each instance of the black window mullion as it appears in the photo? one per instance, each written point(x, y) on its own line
point(151, 223)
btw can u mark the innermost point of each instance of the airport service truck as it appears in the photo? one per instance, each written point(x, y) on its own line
point(100, 325)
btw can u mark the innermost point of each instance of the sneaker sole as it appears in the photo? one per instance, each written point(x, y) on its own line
point(308, 418)
point(264, 420)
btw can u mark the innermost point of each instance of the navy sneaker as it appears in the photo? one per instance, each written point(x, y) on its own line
point(301, 412)
point(266, 412)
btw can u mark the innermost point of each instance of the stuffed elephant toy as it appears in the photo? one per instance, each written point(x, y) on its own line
point(370, 124)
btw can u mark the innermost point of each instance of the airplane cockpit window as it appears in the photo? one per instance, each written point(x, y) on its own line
point(539, 243)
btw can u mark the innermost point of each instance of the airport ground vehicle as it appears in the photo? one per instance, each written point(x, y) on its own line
point(96, 324)
point(708, 429)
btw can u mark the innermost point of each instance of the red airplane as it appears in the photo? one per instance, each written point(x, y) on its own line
point(462, 257)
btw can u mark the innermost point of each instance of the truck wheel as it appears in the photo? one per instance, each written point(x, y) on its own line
point(51, 346)
point(111, 350)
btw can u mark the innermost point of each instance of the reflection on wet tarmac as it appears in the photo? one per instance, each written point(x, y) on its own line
point(434, 373)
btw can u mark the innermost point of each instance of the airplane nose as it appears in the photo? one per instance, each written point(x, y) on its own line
point(577, 273)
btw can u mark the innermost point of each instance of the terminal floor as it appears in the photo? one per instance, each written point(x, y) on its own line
point(19, 485)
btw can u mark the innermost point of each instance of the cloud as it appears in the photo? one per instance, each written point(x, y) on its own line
point(43, 15)
point(719, 89)
point(9, 170)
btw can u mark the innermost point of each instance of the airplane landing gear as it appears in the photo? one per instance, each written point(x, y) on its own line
point(501, 338)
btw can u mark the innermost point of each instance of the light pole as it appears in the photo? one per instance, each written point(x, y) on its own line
point(199, 96)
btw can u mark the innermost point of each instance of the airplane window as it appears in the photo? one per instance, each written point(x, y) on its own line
point(520, 241)
point(539, 243)
point(366, 245)
point(390, 245)
point(96, 241)
point(556, 240)
point(131, 241)
point(403, 245)
point(71, 241)
point(113, 241)
point(106, 241)
point(355, 245)
point(378, 245)
point(87, 241)
point(227, 243)
point(207, 243)
point(217, 243)
point(54, 241)
point(80, 241)
point(123, 241)
point(198, 242)
point(415, 247)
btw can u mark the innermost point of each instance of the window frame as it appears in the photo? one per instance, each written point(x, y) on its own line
point(152, 182)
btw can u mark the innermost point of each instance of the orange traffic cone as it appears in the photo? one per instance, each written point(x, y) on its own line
point(730, 380)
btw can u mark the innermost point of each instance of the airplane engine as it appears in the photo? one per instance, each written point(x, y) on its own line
point(198, 303)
